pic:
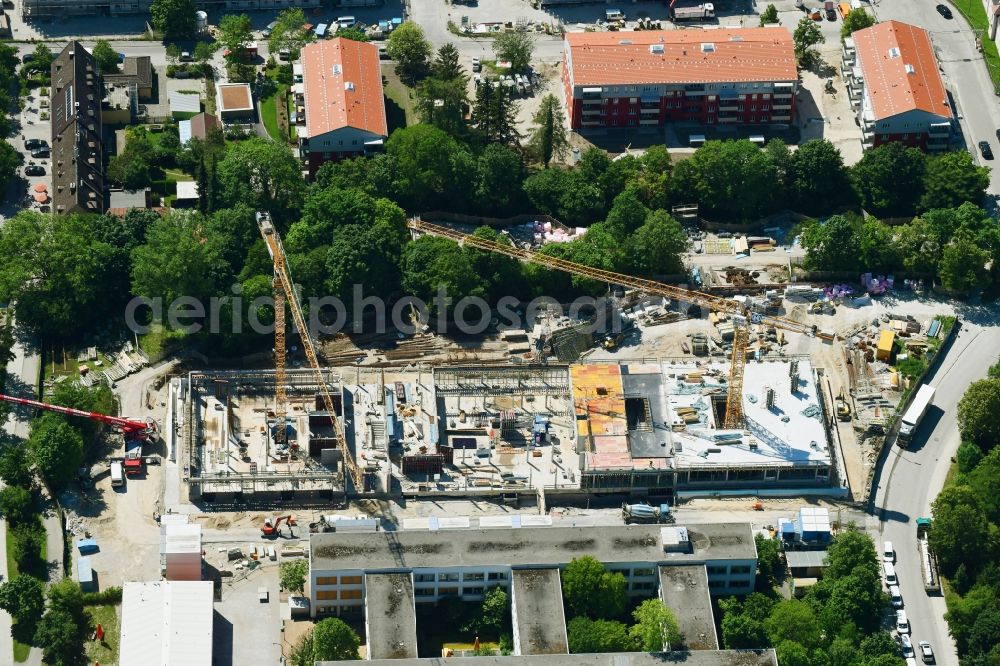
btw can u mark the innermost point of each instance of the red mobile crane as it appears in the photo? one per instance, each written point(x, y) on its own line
point(135, 432)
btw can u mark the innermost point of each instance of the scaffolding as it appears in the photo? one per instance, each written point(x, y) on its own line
point(502, 380)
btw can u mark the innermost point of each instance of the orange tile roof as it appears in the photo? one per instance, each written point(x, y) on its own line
point(342, 84)
point(900, 71)
point(688, 56)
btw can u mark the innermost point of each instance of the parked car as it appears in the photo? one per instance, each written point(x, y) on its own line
point(186, 56)
point(902, 623)
point(34, 170)
point(477, 66)
point(888, 552)
point(984, 148)
point(895, 597)
point(831, 12)
point(266, 32)
point(121, 58)
point(27, 57)
point(32, 144)
point(944, 11)
point(40, 153)
point(906, 645)
point(926, 652)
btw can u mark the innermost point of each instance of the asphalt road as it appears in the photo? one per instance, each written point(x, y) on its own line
point(964, 71)
point(912, 478)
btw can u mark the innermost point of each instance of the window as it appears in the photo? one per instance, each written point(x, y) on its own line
point(448, 578)
point(738, 583)
point(326, 580)
point(350, 594)
point(642, 572)
point(472, 591)
point(716, 571)
point(350, 580)
point(716, 583)
point(423, 578)
point(326, 595)
point(447, 590)
point(739, 569)
point(497, 575)
point(473, 577)
point(641, 587)
point(423, 592)
point(341, 142)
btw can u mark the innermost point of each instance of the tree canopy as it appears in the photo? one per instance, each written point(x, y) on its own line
point(410, 49)
point(977, 413)
point(333, 640)
point(174, 18)
point(590, 590)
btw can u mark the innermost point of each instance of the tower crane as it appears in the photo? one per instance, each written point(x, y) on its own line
point(741, 315)
point(284, 291)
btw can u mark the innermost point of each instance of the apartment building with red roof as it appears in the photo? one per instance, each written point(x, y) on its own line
point(895, 86)
point(340, 108)
point(741, 76)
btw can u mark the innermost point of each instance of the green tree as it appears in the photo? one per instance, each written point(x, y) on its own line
point(26, 543)
point(794, 620)
point(832, 244)
point(430, 166)
point(499, 174)
point(566, 195)
point(657, 247)
point(411, 51)
point(56, 449)
point(263, 175)
point(817, 180)
point(952, 179)
point(963, 264)
point(877, 246)
point(790, 653)
point(769, 15)
point(627, 214)
point(877, 644)
point(17, 504)
point(173, 53)
point(960, 533)
point(985, 481)
point(23, 597)
point(202, 52)
point(333, 640)
point(889, 179)
point(10, 160)
point(235, 34)
point(172, 263)
point(591, 590)
point(431, 264)
point(60, 639)
point(42, 57)
point(131, 168)
point(501, 274)
point(446, 65)
point(805, 38)
point(850, 550)
point(968, 456)
point(292, 575)
point(549, 139)
point(856, 19)
point(289, 33)
point(15, 466)
point(495, 609)
point(442, 103)
point(655, 628)
point(984, 634)
point(768, 558)
point(353, 33)
point(303, 652)
point(515, 48)
point(731, 180)
point(174, 18)
point(106, 57)
point(977, 412)
point(589, 636)
point(494, 113)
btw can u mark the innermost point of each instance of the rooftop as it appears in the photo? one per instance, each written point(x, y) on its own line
point(180, 538)
point(900, 71)
point(680, 56)
point(187, 190)
point(798, 559)
point(135, 69)
point(697, 658)
point(390, 616)
point(538, 611)
point(234, 97)
point(684, 590)
point(525, 547)
point(167, 622)
point(342, 83)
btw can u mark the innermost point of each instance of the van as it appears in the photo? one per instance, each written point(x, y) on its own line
point(346, 21)
point(895, 597)
point(614, 15)
point(890, 574)
point(902, 624)
point(888, 552)
point(117, 475)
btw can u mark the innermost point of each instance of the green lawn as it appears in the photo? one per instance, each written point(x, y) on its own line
point(975, 14)
point(107, 617)
point(158, 339)
point(269, 113)
point(21, 650)
point(399, 107)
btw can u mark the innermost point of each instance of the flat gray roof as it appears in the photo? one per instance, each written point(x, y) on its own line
point(697, 658)
point(684, 590)
point(524, 547)
point(652, 440)
point(538, 612)
point(391, 616)
point(805, 558)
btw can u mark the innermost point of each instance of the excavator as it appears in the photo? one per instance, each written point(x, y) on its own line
point(272, 526)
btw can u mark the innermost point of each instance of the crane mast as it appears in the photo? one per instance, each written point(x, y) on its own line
point(742, 316)
point(284, 291)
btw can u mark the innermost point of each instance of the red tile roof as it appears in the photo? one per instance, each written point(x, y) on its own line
point(681, 56)
point(900, 71)
point(342, 84)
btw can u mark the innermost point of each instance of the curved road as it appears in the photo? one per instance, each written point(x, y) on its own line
point(912, 478)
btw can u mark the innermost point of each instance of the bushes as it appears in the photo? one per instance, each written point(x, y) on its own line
point(112, 595)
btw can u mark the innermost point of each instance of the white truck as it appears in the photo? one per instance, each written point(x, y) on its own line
point(695, 13)
point(915, 414)
point(117, 474)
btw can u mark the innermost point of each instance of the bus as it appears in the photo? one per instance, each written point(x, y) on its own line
point(915, 413)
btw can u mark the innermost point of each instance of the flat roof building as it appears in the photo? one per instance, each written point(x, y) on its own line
point(684, 590)
point(77, 133)
point(744, 76)
point(895, 85)
point(390, 616)
point(235, 101)
point(703, 658)
point(537, 609)
point(470, 560)
point(166, 623)
point(340, 111)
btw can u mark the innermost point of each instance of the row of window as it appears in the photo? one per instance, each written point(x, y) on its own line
point(453, 577)
point(697, 86)
point(728, 584)
point(331, 595)
point(722, 570)
point(344, 580)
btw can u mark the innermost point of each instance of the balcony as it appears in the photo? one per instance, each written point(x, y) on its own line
point(649, 121)
point(650, 111)
point(782, 95)
point(727, 119)
point(782, 107)
point(781, 119)
point(592, 112)
point(939, 130)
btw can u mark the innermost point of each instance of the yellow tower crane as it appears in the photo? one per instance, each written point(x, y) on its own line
point(742, 317)
point(284, 291)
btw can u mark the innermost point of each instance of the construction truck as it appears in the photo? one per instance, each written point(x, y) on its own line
point(644, 513)
point(272, 526)
point(696, 13)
